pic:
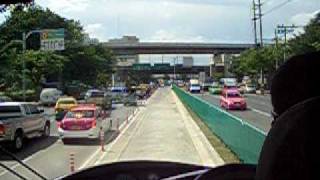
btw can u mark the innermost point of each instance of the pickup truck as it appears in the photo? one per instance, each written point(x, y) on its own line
point(21, 120)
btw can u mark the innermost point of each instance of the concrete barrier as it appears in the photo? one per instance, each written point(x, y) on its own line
point(242, 138)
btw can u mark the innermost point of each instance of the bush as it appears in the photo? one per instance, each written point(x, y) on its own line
point(18, 95)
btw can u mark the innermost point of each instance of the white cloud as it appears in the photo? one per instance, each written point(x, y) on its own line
point(179, 20)
point(95, 30)
point(303, 18)
point(67, 6)
point(166, 36)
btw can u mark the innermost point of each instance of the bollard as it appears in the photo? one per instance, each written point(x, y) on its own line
point(127, 117)
point(72, 164)
point(118, 125)
point(101, 133)
point(110, 127)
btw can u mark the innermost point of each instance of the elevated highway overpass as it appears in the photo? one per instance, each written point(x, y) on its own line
point(175, 48)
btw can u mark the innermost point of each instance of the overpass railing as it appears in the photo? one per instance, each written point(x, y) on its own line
point(242, 138)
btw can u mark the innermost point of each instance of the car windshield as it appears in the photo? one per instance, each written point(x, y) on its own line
point(80, 114)
point(233, 95)
point(97, 94)
point(66, 102)
point(185, 81)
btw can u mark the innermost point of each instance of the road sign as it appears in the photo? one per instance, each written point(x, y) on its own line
point(52, 39)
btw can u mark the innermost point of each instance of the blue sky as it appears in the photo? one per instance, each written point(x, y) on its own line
point(180, 20)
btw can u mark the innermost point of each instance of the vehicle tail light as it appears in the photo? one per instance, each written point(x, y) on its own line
point(94, 124)
point(2, 129)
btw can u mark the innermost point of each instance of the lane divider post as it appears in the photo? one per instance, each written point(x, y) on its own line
point(127, 117)
point(110, 126)
point(102, 139)
point(118, 124)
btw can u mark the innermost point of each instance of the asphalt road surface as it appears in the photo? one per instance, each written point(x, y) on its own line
point(50, 156)
point(258, 112)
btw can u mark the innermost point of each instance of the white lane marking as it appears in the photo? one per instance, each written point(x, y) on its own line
point(90, 158)
point(25, 160)
point(260, 112)
point(116, 140)
point(99, 148)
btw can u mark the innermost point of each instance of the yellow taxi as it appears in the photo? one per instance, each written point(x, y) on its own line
point(63, 105)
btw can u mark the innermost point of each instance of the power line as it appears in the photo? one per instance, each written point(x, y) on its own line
point(277, 7)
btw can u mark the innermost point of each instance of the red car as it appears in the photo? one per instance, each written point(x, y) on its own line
point(232, 99)
point(83, 121)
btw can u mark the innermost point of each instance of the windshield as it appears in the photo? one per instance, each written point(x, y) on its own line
point(97, 94)
point(158, 74)
point(80, 114)
point(233, 95)
point(66, 102)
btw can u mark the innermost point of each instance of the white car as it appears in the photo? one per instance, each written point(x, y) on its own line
point(49, 96)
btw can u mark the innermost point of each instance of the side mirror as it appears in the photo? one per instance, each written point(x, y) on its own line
point(41, 110)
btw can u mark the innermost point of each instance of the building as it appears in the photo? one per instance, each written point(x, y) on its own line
point(89, 41)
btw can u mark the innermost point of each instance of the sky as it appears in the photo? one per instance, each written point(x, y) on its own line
point(217, 21)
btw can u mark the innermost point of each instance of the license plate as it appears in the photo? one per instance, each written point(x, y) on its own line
point(75, 127)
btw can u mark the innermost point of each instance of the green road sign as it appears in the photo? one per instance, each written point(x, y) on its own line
point(52, 39)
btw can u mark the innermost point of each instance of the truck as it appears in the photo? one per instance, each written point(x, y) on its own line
point(194, 86)
point(19, 121)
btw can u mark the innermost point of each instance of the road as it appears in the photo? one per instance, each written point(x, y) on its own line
point(257, 114)
point(161, 129)
point(50, 156)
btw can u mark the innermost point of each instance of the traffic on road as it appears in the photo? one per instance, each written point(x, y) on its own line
point(159, 89)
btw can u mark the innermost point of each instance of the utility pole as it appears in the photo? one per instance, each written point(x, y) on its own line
point(276, 41)
point(174, 69)
point(285, 29)
point(261, 45)
point(260, 22)
point(255, 23)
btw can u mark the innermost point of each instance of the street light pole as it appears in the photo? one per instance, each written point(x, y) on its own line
point(24, 47)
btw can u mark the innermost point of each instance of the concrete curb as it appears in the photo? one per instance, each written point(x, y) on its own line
point(207, 153)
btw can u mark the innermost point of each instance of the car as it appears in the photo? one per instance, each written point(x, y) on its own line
point(249, 88)
point(194, 86)
point(63, 105)
point(83, 121)
point(20, 120)
point(215, 88)
point(131, 100)
point(232, 99)
point(49, 96)
point(99, 98)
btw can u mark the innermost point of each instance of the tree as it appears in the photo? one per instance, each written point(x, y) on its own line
point(40, 64)
point(309, 41)
point(89, 64)
point(35, 17)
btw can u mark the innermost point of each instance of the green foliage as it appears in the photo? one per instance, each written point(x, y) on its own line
point(91, 65)
point(309, 41)
point(40, 64)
